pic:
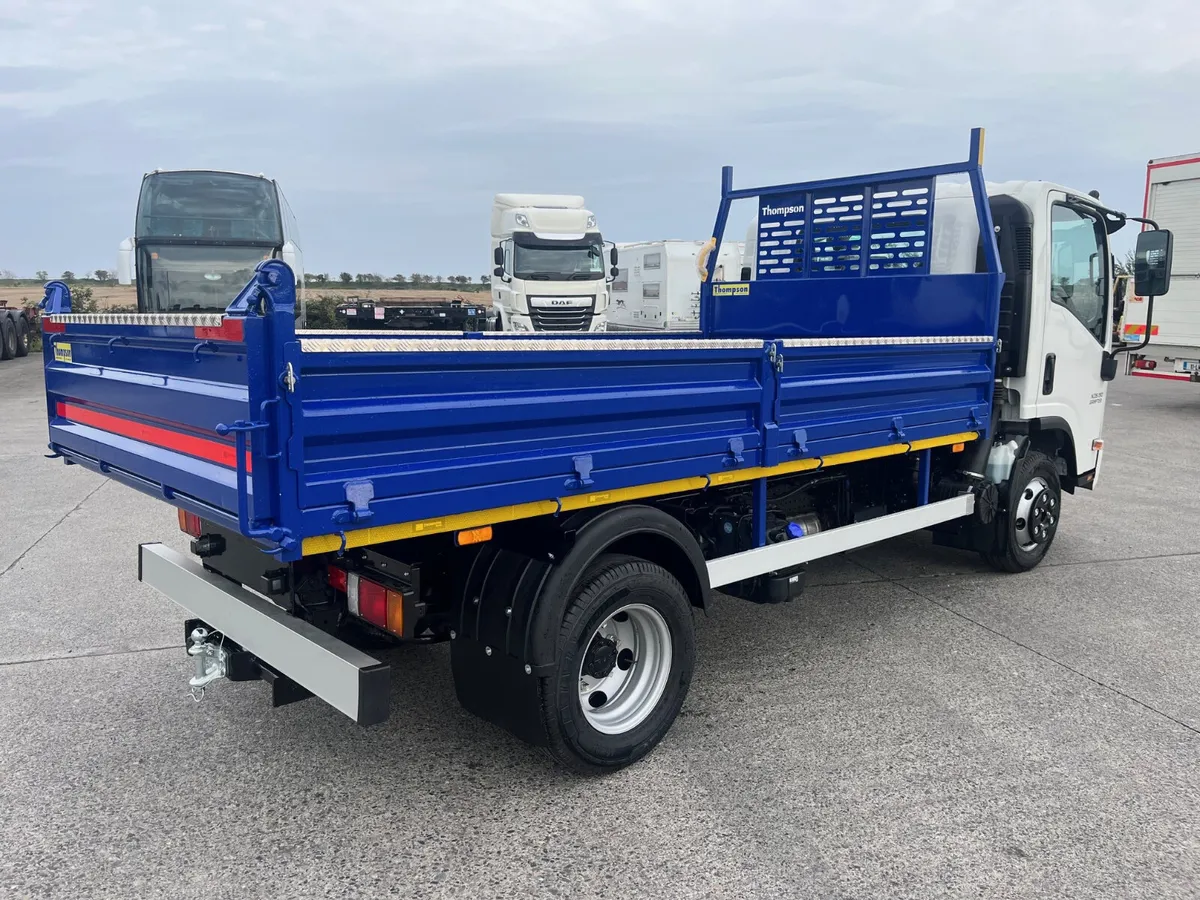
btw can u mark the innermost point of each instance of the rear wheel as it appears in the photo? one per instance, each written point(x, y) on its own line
point(8, 338)
point(626, 655)
point(1029, 522)
point(22, 337)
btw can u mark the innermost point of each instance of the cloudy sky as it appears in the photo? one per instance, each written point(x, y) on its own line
point(390, 123)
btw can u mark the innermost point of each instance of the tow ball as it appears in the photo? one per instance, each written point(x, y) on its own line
point(212, 660)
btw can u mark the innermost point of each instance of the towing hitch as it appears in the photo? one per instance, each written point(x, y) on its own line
point(212, 660)
point(219, 657)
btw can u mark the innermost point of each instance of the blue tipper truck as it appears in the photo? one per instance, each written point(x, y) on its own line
point(557, 508)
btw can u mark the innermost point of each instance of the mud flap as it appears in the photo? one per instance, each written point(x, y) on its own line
point(497, 689)
point(495, 676)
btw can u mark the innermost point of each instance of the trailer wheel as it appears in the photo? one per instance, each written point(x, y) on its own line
point(626, 655)
point(1032, 509)
point(23, 339)
point(8, 338)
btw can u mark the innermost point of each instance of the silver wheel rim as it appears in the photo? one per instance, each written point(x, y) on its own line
point(1037, 515)
point(636, 640)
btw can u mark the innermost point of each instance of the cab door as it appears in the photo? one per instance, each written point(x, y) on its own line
point(1077, 327)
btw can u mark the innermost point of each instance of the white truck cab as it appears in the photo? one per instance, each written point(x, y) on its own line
point(552, 271)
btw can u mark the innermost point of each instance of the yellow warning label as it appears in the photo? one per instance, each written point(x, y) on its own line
point(62, 352)
point(731, 290)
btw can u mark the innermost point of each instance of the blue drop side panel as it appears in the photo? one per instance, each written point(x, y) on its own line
point(441, 433)
point(849, 398)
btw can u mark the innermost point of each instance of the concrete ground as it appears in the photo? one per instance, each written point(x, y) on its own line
point(917, 726)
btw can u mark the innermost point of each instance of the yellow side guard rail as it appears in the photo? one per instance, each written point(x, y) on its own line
point(364, 537)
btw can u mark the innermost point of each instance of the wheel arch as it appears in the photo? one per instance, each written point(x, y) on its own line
point(648, 533)
point(1054, 437)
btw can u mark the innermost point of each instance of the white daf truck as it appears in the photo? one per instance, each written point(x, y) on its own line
point(1172, 338)
point(551, 272)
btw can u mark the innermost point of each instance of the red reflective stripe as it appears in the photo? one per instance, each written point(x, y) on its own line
point(1146, 373)
point(1141, 330)
point(1175, 162)
point(228, 330)
point(53, 327)
point(202, 448)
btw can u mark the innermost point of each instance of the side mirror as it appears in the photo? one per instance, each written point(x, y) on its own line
point(1152, 263)
point(498, 258)
point(614, 271)
point(498, 271)
point(612, 258)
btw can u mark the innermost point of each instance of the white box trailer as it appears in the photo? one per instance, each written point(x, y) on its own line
point(1173, 201)
point(657, 287)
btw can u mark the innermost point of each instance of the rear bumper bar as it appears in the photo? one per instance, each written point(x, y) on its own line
point(343, 676)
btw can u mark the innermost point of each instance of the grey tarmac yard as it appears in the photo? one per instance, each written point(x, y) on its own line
point(917, 726)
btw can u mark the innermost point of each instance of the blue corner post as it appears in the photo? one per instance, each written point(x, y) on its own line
point(718, 235)
point(991, 251)
point(57, 300)
point(267, 308)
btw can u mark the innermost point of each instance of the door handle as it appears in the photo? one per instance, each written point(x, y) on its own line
point(1048, 375)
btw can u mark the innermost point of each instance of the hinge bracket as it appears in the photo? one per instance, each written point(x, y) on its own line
point(359, 495)
point(800, 439)
point(582, 466)
point(737, 448)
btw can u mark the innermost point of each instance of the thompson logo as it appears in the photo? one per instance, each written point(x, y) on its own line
point(731, 290)
point(769, 210)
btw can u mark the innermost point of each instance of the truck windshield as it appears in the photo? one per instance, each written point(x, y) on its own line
point(558, 260)
point(183, 277)
point(209, 206)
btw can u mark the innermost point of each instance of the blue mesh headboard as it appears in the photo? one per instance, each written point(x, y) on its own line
point(851, 258)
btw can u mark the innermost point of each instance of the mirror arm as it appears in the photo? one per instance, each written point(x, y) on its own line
point(1128, 348)
point(1153, 225)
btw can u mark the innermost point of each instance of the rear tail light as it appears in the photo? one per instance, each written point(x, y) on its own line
point(373, 602)
point(337, 579)
point(189, 523)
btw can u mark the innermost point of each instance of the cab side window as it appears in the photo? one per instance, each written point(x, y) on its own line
point(1079, 268)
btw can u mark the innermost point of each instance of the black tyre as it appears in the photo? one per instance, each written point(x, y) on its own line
point(23, 339)
point(8, 338)
point(627, 651)
point(1030, 511)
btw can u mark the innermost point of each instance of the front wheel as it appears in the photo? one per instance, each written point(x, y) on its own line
point(627, 651)
point(1032, 509)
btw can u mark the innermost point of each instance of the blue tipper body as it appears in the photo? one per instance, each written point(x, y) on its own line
point(286, 435)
